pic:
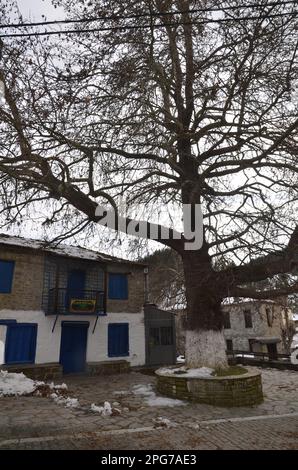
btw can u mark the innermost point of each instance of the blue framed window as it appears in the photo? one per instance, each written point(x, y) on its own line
point(6, 276)
point(118, 286)
point(118, 340)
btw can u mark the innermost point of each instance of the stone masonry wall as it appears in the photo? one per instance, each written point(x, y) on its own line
point(241, 390)
point(27, 283)
point(31, 281)
point(135, 300)
point(50, 371)
point(108, 367)
point(240, 335)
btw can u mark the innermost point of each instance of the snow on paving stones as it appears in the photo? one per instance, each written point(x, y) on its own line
point(71, 402)
point(15, 384)
point(145, 390)
point(152, 399)
point(66, 401)
point(96, 409)
point(163, 401)
point(121, 393)
point(58, 387)
point(180, 359)
point(105, 410)
point(164, 422)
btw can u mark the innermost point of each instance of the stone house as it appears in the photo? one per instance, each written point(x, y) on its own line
point(258, 326)
point(69, 308)
point(255, 326)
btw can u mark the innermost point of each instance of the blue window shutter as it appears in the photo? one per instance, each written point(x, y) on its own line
point(6, 276)
point(7, 322)
point(20, 344)
point(118, 340)
point(118, 286)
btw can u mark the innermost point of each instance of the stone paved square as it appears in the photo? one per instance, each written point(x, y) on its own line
point(36, 422)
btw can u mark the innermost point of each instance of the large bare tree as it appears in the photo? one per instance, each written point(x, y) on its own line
point(163, 106)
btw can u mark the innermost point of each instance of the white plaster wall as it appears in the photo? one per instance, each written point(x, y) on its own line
point(98, 342)
point(48, 343)
point(3, 329)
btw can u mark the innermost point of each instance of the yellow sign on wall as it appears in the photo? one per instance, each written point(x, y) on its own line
point(82, 305)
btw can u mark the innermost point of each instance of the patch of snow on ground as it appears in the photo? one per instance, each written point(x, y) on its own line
point(164, 422)
point(58, 387)
point(180, 359)
point(144, 390)
point(96, 409)
point(15, 384)
point(72, 402)
point(68, 402)
point(152, 399)
point(164, 401)
point(105, 410)
point(185, 372)
point(39, 383)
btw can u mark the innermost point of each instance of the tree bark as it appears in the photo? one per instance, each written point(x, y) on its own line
point(205, 343)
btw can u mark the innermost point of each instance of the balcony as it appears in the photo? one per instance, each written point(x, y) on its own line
point(84, 302)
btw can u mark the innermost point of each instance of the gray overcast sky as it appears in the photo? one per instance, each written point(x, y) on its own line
point(33, 9)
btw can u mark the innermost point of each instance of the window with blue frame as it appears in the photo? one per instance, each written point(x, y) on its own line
point(118, 340)
point(118, 286)
point(6, 276)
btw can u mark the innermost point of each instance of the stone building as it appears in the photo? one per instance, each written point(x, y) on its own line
point(258, 326)
point(255, 326)
point(69, 308)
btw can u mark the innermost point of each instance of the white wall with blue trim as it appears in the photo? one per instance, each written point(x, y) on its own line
point(48, 342)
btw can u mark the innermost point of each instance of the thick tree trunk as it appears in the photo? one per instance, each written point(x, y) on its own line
point(205, 343)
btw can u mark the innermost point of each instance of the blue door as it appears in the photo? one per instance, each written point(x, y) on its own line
point(73, 346)
point(76, 283)
point(20, 343)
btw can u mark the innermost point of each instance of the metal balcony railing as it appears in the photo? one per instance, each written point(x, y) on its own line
point(85, 302)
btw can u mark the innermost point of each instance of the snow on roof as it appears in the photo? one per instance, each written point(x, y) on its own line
point(61, 249)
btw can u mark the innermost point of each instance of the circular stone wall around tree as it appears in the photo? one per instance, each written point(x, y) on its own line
point(233, 390)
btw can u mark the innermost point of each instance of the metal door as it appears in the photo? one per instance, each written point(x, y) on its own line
point(160, 336)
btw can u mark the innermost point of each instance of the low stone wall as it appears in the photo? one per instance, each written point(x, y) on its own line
point(240, 390)
point(258, 362)
point(54, 371)
point(49, 371)
point(108, 367)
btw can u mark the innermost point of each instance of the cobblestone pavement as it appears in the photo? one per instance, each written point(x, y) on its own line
point(35, 422)
point(268, 434)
